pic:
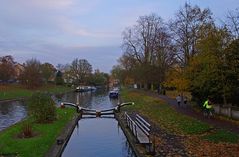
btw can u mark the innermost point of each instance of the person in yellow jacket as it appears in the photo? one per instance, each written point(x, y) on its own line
point(208, 107)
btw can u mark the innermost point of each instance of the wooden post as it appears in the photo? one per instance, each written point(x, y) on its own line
point(229, 111)
point(98, 113)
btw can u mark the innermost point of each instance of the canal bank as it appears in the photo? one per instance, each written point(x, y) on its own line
point(61, 141)
point(59, 138)
point(138, 150)
point(44, 136)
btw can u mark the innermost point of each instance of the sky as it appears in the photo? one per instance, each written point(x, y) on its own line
point(57, 31)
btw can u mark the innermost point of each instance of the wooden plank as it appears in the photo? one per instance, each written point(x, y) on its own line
point(143, 139)
point(144, 121)
point(143, 125)
point(141, 128)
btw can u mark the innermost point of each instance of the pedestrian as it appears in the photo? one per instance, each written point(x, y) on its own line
point(178, 98)
point(185, 100)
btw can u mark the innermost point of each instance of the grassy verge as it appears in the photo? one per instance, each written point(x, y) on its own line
point(17, 91)
point(36, 146)
point(222, 136)
point(168, 118)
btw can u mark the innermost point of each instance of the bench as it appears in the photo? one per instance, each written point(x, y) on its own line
point(141, 130)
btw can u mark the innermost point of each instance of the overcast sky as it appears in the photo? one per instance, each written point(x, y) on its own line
point(57, 31)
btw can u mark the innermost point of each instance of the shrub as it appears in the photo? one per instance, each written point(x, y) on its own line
point(27, 130)
point(42, 107)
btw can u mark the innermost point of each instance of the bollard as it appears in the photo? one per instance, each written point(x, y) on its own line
point(59, 141)
point(62, 105)
point(98, 113)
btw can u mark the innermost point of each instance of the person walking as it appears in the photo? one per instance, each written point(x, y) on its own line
point(185, 100)
point(178, 99)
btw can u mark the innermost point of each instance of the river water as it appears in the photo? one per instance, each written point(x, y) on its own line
point(101, 137)
point(11, 113)
point(92, 137)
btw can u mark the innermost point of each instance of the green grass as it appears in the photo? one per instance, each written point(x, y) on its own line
point(164, 115)
point(38, 145)
point(18, 91)
point(222, 136)
point(168, 118)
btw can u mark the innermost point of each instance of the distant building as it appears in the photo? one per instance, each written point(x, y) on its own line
point(18, 68)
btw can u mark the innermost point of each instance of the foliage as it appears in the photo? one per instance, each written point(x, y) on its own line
point(31, 76)
point(42, 107)
point(38, 145)
point(6, 68)
point(27, 130)
point(185, 30)
point(177, 77)
point(99, 79)
point(210, 71)
point(80, 71)
point(47, 71)
point(59, 78)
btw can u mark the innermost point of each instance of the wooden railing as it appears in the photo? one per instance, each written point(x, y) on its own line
point(141, 130)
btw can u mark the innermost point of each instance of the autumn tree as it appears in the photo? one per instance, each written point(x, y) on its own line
point(209, 69)
point(80, 70)
point(6, 68)
point(32, 76)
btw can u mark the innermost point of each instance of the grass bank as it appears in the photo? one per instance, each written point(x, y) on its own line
point(168, 118)
point(14, 91)
point(36, 146)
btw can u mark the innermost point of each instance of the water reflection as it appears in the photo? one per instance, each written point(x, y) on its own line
point(101, 137)
point(95, 100)
point(11, 113)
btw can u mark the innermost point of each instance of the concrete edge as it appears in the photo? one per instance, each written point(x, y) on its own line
point(130, 138)
point(61, 141)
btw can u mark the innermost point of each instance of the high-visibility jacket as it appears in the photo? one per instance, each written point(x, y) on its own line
point(206, 105)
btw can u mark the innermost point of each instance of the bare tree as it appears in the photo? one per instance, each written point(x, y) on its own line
point(147, 46)
point(233, 22)
point(185, 30)
point(80, 70)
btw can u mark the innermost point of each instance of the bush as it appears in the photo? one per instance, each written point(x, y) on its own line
point(42, 107)
point(27, 130)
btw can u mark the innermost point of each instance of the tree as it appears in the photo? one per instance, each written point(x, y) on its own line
point(80, 70)
point(233, 22)
point(32, 76)
point(232, 71)
point(47, 71)
point(185, 29)
point(59, 78)
point(147, 46)
point(209, 70)
point(42, 107)
point(99, 79)
point(6, 68)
